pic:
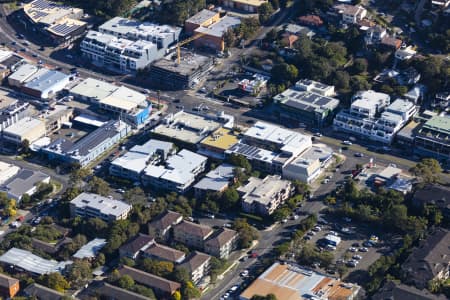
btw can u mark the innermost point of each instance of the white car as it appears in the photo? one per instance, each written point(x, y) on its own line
point(347, 143)
point(352, 249)
point(357, 257)
point(234, 288)
point(333, 233)
point(311, 233)
point(318, 134)
point(363, 249)
point(244, 273)
point(317, 228)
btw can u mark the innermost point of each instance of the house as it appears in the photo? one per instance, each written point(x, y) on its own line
point(197, 264)
point(291, 281)
point(250, 6)
point(391, 42)
point(215, 181)
point(375, 34)
point(429, 261)
point(409, 76)
point(350, 14)
point(396, 291)
point(164, 253)
point(437, 195)
point(310, 20)
point(40, 292)
point(160, 227)
point(138, 244)
point(9, 286)
point(111, 292)
point(222, 243)
point(191, 234)
point(299, 30)
point(91, 205)
point(49, 248)
point(264, 196)
point(160, 286)
point(405, 53)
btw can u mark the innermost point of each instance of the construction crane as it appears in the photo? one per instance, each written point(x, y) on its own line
point(186, 41)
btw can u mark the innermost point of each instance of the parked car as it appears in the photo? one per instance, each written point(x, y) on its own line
point(359, 154)
point(311, 233)
point(244, 273)
point(352, 249)
point(363, 249)
point(347, 143)
point(357, 257)
point(317, 228)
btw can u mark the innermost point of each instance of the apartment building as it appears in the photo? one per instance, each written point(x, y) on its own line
point(309, 102)
point(211, 27)
point(161, 226)
point(365, 117)
point(132, 163)
point(138, 244)
point(432, 140)
point(177, 174)
point(95, 206)
point(119, 54)
point(250, 6)
point(192, 234)
point(198, 265)
point(264, 196)
point(215, 181)
point(222, 243)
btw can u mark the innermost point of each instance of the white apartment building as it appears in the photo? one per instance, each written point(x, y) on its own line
point(118, 53)
point(312, 86)
point(264, 196)
point(178, 173)
point(95, 206)
point(362, 121)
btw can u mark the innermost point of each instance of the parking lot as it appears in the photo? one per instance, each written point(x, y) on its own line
point(354, 251)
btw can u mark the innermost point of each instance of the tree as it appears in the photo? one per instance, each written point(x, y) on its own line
point(55, 281)
point(360, 65)
point(229, 38)
point(284, 73)
point(428, 170)
point(247, 233)
point(10, 209)
point(190, 291)
point(230, 198)
point(135, 196)
point(281, 213)
point(126, 282)
point(176, 295)
point(241, 161)
point(341, 80)
point(79, 273)
point(265, 12)
point(25, 146)
point(98, 186)
point(96, 227)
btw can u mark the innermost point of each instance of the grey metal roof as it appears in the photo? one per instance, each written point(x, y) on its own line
point(216, 179)
point(32, 263)
point(91, 249)
point(105, 205)
point(23, 182)
point(46, 80)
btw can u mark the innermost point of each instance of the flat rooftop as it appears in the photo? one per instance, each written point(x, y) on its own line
point(306, 101)
point(23, 72)
point(400, 105)
point(23, 126)
point(47, 80)
point(289, 282)
point(439, 123)
point(135, 28)
point(222, 138)
point(201, 17)
point(47, 12)
point(186, 127)
point(94, 89)
point(91, 249)
point(189, 63)
point(220, 27)
point(105, 205)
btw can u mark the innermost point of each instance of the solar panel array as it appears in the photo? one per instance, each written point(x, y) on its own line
point(64, 29)
point(39, 14)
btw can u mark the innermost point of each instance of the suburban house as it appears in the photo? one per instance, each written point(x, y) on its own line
point(133, 248)
point(108, 291)
point(197, 264)
point(9, 286)
point(160, 286)
point(192, 234)
point(351, 14)
point(429, 261)
point(160, 227)
point(264, 196)
point(222, 243)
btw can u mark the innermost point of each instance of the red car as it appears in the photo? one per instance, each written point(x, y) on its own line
point(21, 218)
